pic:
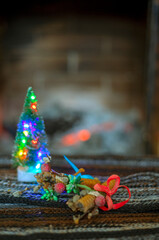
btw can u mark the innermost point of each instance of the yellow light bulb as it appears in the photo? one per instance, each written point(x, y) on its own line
point(26, 133)
point(20, 152)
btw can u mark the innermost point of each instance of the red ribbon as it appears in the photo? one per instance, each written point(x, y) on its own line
point(109, 192)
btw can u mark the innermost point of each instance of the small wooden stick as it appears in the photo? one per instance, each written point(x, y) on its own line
point(79, 217)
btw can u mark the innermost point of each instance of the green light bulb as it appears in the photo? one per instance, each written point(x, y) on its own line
point(23, 140)
point(33, 97)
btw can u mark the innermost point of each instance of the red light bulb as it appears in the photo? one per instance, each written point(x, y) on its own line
point(34, 106)
point(34, 142)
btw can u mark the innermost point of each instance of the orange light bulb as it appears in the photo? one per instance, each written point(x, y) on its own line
point(34, 141)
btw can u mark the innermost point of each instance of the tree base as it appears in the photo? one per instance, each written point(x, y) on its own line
point(25, 175)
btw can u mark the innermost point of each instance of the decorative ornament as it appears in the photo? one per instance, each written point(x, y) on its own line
point(88, 195)
point(46, 166)
point(100, 201)
point(60, 188)
point(30, 141)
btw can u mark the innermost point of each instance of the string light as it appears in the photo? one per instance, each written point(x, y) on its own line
point(23, 140)
point(30, 146)
point(39, 154)
point(26, 125)
point(33, 97)
point(26, 133)
point(23, 153)
point(20, 153)
point(34, 142)
point(38, 166)
point(34, 106)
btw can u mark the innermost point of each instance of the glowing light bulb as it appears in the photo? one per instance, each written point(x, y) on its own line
point(26, 125)
point(34, 141)
point(38, 166)
point(26, 133)
point(20, 153)
point(23, 140)
point(25, 152)
point(34, 106)
point(39, 154)
point(33, 97)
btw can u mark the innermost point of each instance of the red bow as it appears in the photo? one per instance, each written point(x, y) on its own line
point(109, 192)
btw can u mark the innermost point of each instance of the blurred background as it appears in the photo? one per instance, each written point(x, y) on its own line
point(93, 66)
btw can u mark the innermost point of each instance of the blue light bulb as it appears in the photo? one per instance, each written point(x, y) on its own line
point(26, 125)
point(38, 166)
point(39, 154)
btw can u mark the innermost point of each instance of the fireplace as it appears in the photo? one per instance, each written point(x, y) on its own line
point(86, 64)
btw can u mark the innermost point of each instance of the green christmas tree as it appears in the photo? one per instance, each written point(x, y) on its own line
point(30, 141)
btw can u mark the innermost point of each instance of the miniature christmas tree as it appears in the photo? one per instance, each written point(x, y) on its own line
point(31, 140)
